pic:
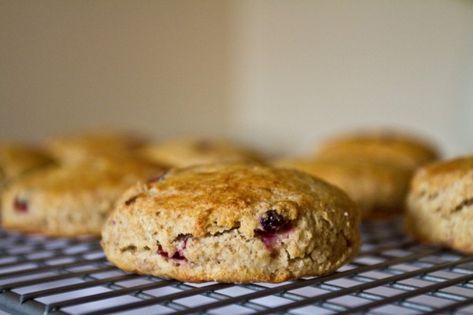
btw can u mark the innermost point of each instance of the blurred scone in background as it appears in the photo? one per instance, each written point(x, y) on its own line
point(280, 75)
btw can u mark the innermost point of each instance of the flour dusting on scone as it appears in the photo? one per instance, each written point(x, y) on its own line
point(232, 223)
point(440, 204)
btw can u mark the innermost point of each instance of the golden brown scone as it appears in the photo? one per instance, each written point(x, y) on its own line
point(70, 200)
point(79, 148)
point(440, 204)
point(17, 160)
point(232, 223)
point(185, 152)
point(388, 147)
point(378, 188)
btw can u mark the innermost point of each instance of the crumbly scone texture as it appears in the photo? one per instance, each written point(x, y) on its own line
point(389, 147)
point(75, 149)
point(184, 152)
point(70, 200)
point(210, 223)
point(379, 189)
point(17, 160)
point(440, 204)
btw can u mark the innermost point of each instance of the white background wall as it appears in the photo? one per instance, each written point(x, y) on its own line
point(311, 68)
point(156, 66)
point(280, 74)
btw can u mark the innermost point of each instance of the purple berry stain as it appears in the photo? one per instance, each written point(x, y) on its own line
point(20, 205)
point(177, 255)
point(274, 225)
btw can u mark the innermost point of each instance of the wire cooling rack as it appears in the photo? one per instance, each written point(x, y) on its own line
point(392, 275)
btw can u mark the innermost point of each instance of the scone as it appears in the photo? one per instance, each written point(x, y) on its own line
point(78, 148)
point(383, 146)
point(440, 204)
point(17, 160)
point(232, 223)
point(70, 200)
point(378, 188)
point(183, 152)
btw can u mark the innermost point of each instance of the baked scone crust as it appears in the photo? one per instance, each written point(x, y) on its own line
point(440, 204)
point(203, 223)
point(78, 148)
point(378, 188)
point(17, 160)
point(383, 146)
point(70, 200)
point(184, 152)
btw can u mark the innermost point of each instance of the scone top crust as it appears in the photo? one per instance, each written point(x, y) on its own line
point(447, 170)
point(88, 176)
point(16, 159)
point(82, 147)
point(378, 188)
point(210, 199)
point(343, 170)
point(347, 167)
point(71, 199)
point(390, 147)
point(183, 152)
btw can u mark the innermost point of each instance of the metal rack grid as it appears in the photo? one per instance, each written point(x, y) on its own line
point(392, 275)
